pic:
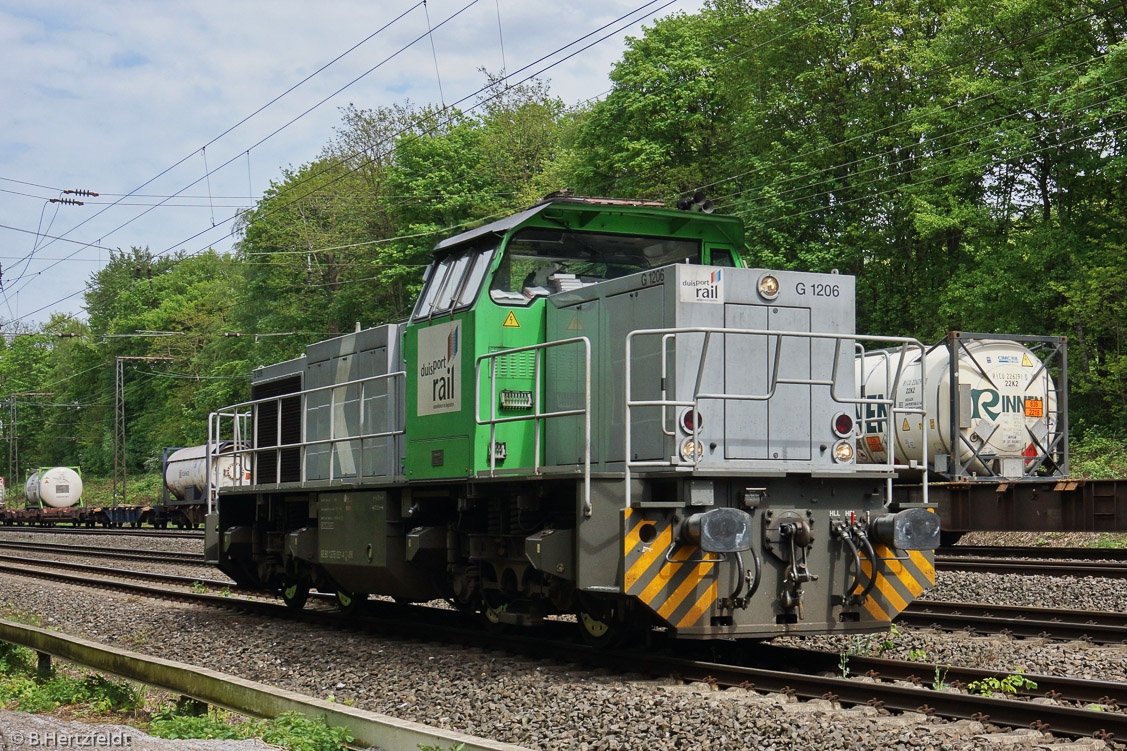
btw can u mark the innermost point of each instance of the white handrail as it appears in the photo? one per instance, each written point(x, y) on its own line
point(248, 410)
point(537, 416)
point(774, 381)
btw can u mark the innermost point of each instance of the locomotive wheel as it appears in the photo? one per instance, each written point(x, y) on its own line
point(491, 618)
point(350, 602)
point(603, 628)
point(598, 633)
point(295, 593)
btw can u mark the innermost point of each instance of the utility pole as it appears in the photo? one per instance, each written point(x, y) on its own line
point(13, 435)
point(119, 474)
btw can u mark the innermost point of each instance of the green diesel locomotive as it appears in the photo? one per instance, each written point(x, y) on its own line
point(596, 409)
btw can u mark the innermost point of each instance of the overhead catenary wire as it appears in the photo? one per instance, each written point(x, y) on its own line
point(885, 165)
point(1044, 32)
point(620, 18)
point(435, 125)
point(434, 54)
point(742, 53)
point(526, 67)
point(227, 131)
point(501, 36)
point(256, 112)
point(276, 131)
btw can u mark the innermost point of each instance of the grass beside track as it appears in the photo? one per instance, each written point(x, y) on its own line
point(89, 697)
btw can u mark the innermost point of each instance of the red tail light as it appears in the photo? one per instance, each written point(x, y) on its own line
point(842, 425)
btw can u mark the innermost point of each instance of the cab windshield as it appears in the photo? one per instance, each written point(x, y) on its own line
point(540, 262)
point(452, 281)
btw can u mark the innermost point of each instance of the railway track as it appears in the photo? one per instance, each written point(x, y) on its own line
point(801, 677)
point(90, 568)
point(155, 556)
point(122, 531)
point(1108, 569)
point(1101, 627)
point(960, 562)
point(1044, 553)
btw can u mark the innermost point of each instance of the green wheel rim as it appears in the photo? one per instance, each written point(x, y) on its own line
point(493, 615)
point(594, 627)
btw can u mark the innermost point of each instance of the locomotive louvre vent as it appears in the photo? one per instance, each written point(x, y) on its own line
point(516, 365)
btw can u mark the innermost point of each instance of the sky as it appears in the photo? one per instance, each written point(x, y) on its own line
point(107, 96)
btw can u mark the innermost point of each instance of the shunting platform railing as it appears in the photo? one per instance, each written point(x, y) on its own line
point(537, 417)
point(774, 380)
point(243, 429)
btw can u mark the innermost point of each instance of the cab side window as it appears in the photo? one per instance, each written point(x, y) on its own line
point(721, 257)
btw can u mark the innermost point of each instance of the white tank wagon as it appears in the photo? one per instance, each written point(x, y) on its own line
point(1005, 417)
point(186, 470)
point(59, 487)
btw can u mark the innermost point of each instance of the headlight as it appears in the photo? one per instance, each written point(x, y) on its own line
point(691, 450)
point(843, 452)
point(768, 287)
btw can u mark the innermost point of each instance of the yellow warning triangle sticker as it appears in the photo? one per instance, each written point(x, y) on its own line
point(575, 325)
point(906, 426)
point(1025, 361)
point(511, 321)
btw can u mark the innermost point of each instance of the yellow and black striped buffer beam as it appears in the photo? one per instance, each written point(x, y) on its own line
point(902, 576)
point(669, 578)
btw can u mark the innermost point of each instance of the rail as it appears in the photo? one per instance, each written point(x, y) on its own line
point(807, 672)
point(537, 416)
point(248, 412)
point(240, 695)
point(774, 381)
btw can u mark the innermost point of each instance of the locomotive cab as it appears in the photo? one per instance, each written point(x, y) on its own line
point(487, 292)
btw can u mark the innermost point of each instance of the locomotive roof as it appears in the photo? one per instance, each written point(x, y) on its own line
point(728, 225)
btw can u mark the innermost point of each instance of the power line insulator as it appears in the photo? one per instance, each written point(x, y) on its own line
point(67, 201)
point(88, 193)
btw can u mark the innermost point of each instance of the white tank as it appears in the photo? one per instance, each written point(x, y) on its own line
point(60, 487)
point(1006, 398)
point(185, 473)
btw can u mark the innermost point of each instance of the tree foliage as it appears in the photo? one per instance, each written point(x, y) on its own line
point(964, 160)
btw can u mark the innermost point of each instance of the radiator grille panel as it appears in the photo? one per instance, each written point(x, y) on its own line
point(518, 365)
